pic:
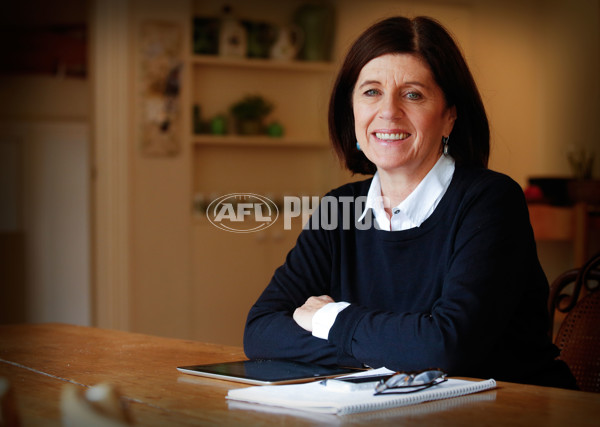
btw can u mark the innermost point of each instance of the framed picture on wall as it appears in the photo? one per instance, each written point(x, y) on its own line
point(160, 73)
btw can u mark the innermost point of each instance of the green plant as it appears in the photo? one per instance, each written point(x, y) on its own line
point(581, 162)
point(252, 107)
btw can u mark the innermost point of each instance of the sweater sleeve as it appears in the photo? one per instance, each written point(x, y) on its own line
point(270, 331)
point(492, 276)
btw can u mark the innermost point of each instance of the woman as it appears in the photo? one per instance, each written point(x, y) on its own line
point(448, 276)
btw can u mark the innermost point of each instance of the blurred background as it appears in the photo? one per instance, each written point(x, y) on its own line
point(117, 129)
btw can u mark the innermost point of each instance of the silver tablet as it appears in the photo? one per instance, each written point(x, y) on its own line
point(266, 372)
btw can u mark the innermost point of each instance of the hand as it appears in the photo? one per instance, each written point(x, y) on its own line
point(303, 315)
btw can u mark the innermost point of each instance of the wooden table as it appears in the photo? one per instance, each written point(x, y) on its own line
point(39, 360)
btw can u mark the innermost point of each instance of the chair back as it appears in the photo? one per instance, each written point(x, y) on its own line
point(575, 293)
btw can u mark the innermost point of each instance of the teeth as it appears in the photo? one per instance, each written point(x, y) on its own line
point(392, 136)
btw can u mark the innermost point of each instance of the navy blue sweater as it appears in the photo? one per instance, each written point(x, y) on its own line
point(463, 292)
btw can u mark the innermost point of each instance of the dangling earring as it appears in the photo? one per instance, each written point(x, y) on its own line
point(445, 144)
point(358, 146)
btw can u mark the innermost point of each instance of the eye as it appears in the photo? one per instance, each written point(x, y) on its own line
point(414, 96)
point(371, 92)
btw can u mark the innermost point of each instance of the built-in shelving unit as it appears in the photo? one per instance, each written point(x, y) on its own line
point(299, 163)
point(255, 141)
point(298, 90)
point(294, 65)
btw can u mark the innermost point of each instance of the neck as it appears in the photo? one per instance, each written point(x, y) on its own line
point(397, 185)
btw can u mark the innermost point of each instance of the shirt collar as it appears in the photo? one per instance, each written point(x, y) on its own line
point(375, 200)
point(419, 204)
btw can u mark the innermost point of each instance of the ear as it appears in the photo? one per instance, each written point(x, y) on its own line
point(450, 119)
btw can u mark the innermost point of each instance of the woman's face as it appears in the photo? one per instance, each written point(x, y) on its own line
point(400, 115)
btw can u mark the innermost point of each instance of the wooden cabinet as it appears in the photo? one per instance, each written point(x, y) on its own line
point(552, 222)
point(230, 272)
point(574, 224)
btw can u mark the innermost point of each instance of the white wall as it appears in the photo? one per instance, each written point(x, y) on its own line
point(54, 216)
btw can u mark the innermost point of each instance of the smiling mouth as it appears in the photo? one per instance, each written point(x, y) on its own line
point(391, 136)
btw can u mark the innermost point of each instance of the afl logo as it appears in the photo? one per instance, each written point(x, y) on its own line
point(242, 212)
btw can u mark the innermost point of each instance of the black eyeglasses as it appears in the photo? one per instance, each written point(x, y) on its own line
point(407, 382)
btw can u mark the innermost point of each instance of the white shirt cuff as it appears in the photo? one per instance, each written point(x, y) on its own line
point(324, 318)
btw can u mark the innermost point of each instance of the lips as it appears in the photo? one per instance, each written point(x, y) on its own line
point(392, 136)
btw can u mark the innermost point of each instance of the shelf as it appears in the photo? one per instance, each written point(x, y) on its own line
point(265, 64)
point(256, 141)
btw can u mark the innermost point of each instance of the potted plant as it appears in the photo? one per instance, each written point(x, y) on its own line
point(249, 114)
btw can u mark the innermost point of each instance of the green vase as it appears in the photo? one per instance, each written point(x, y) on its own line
point(317, 21)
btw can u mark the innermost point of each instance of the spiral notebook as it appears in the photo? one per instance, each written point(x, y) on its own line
point(315, 397)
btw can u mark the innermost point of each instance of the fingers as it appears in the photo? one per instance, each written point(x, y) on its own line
point(303, 315)
point(323, 299)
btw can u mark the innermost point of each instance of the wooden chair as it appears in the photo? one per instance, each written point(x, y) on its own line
point(575, 293)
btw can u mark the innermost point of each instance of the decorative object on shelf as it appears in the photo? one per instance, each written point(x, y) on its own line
point(198, 126)
point(547, 189)
point(288, 43)
point(206, 36)
point(317, 20)
point(261, 36)
point(567, 191)
point(218, 125)
point(583, 188)
point(275, 129)
point(249, 114)
point(232, 36)
point(559, 191)
point(161, 64)
point(581, 163)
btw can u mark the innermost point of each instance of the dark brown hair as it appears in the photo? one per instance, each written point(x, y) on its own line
point(428, 39)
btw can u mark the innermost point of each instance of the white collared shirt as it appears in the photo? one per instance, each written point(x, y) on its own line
point(410, 213)
point(419, 204)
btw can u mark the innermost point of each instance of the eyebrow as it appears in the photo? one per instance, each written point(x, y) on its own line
point(409, 83)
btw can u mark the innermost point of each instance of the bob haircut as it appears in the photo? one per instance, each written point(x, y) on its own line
point(426, 38)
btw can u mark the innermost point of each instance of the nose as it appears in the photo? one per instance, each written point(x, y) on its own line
point(391, 108)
